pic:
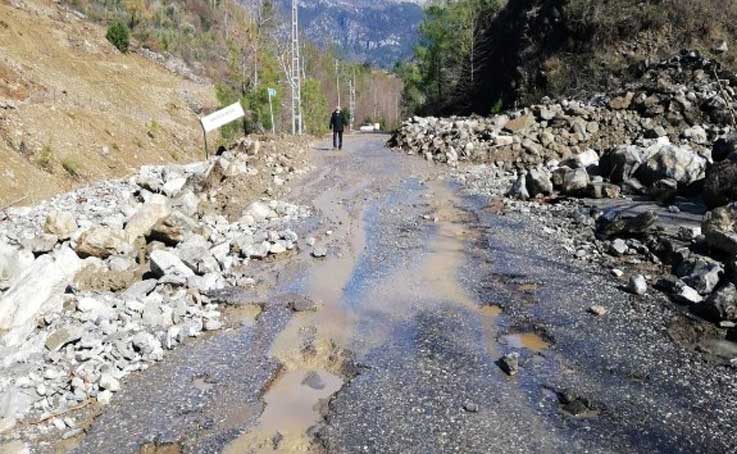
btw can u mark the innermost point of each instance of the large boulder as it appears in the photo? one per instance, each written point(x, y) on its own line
point(586, 160)
point(615, 223)
point(720, 187)
point(700, 272)
point(539, 182)
point(165, 263)
point(571, 182)
point(621, 163)
point(101, 242)
point(722, 305)
point(153, 211)
point(519, 188)
point(719, 229)
point(60, 223)
point(38, 291)
point(172, 229)
point(670, 161)
point(13, 264)
point(258, 212)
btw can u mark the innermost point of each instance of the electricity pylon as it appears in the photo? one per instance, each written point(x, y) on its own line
point(352, 101)
point(296, 72)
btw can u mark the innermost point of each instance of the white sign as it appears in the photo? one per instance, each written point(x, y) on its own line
point(222, 117)
point(272, 92)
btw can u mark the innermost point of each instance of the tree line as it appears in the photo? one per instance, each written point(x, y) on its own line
point(446, 58)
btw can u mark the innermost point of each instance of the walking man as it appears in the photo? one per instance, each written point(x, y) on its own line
point(337, 125)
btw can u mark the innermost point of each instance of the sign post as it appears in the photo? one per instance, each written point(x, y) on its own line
point(220, 118)
point(272, 93)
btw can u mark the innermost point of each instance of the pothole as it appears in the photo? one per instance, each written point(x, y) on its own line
point(527, 340)
point(492, 310)
point(293, 405)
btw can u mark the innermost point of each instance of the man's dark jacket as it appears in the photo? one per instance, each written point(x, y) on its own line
point(337, 121)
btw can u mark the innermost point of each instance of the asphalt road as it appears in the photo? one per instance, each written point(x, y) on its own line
point(422, 291)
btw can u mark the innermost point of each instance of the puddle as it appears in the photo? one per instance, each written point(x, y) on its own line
point(491, 310)
point(165, 448)
point(530, 341)
point(292, 407)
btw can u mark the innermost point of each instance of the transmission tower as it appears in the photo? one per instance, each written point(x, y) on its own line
point(337, 80)
point(296, 71)
point(352, 101)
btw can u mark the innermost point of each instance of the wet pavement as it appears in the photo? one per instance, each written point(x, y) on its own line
point(422, 291)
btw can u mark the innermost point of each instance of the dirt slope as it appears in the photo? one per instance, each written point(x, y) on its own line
point(74, 109)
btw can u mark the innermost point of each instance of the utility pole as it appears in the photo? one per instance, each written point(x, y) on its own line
point(296, 71)
point(352, 102)
point(337, 79)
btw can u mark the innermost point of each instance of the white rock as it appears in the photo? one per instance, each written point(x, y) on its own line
point(95, 309)
point(101, 242)
point(60, 223)
point(153, 211)
point(259, 211)
point(637, 284)
point(107, 381)
point(174, 186)
point(37, 292)
point(13, 264)
point(104, 397)
point(165, 263)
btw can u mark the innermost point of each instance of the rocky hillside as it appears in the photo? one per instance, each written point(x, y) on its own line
point(535, 48)
point(378, 32)
point(74, 109)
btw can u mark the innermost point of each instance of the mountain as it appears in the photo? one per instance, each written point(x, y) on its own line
point(380, 32)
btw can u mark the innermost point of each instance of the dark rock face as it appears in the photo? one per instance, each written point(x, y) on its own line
point(379, 32)
point(720, 187)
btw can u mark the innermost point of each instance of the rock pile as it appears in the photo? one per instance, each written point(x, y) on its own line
point(102, 281)
point(688, 99)
point(667, 137)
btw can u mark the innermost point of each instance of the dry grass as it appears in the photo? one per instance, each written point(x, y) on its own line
point(81, 95)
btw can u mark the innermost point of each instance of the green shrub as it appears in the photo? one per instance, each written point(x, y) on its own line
point(71, 166)
point(119, 36)
point(45, 158)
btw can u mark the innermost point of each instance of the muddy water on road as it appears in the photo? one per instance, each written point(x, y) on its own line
point(362, 293)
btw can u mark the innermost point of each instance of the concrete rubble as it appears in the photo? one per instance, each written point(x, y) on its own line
point(62, 345)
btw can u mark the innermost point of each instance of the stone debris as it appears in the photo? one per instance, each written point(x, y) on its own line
point(320, 251)
point(666, 139)
point(509, 363)
point(597, 310)
point(637, 285)
point(61, 345)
